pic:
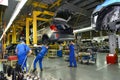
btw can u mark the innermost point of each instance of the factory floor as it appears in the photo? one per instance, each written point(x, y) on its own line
point(57, 69)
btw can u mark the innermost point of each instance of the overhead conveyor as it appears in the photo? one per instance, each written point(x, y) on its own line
point(13, 34)
point(35, 18)
point(44, 10)
point(34, 21)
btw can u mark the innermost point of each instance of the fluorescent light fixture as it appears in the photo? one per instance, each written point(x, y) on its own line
point(14, 15)
point(83, 29)
point(4, 2)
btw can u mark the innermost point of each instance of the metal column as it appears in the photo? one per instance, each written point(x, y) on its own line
point(13, 34)
point(112, 43)
point(4, 42)
point(8, 38)
point(119, 41)
point(27, 31)
point(34, 29)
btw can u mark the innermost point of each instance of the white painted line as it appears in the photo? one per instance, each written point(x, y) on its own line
point(100, 68)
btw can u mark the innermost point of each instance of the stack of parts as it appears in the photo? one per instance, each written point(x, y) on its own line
point(2, 76)
point(10, 73)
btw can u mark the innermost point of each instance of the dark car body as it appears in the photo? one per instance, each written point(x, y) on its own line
point(106, 16)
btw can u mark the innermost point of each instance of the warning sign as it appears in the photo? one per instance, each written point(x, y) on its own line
point(4, 2)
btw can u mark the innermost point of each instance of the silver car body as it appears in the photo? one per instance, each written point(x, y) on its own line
point(63, 33)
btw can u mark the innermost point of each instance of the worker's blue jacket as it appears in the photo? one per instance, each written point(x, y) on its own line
point(40, 56)
point(43, 51)
point(22, 50)
point(71, 48)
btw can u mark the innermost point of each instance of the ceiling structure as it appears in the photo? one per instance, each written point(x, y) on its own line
point(85, 9)
point(6, 13)
point(81, 10)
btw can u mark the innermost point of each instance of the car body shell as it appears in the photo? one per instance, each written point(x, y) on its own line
point(63, 32)
point(104, 11)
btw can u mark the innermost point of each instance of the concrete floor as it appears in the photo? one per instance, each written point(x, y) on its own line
point(57, 69)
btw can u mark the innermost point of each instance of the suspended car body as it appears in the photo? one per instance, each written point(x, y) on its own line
point(107, 16)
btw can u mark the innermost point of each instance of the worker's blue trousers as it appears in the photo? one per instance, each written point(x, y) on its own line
point(22, 62)
point(25, 65)
point(38, 58)
point(73, 61)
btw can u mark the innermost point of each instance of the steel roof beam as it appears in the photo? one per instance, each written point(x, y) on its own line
point(57, 3)
point(78, 1)
point(41, 5)
point(75, 9)
point(43, 19)
point(91, 5)
point(86, 3)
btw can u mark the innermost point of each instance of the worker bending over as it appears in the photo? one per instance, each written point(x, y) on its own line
point(40, 56)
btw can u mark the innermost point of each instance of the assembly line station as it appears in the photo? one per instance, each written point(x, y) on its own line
point(92, 25)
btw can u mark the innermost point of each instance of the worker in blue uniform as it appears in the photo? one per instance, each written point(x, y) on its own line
point(22, 50)
point(72, 59)
point(40, 56)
